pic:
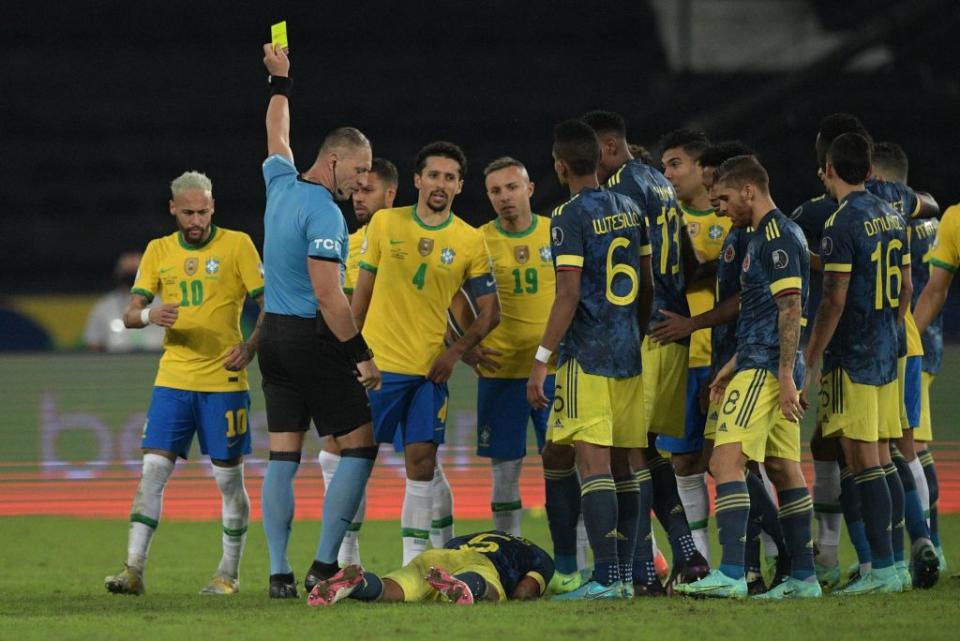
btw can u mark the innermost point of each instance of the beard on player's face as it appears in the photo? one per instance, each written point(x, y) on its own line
point(438, 200)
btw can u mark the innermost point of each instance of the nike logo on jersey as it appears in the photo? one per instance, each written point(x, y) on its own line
point(164, 270)
point(397, 242)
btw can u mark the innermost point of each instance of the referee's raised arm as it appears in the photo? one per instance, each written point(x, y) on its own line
point(314, 362)
point(278, 111)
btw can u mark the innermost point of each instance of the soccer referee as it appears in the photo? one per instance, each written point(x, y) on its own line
point(315, 364)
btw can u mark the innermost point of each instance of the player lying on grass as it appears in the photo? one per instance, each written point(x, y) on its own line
point(487, 566)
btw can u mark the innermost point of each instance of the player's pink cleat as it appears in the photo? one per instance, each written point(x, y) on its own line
point(339, 586)
point(455, 590)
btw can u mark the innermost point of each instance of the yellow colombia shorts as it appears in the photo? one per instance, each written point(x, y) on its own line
point(858, 411)
point(412, 576)
point(665, 368)
point(924, 432)
point(597, 409)
point(750, 415)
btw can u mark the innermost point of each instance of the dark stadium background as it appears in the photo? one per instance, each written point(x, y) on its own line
point(105, 102)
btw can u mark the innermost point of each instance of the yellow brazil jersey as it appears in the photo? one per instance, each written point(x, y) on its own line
point(210, 282)
point(353, 260)
point(707, 231)
point(526, 282)
point(419, 269)
point(945, 252)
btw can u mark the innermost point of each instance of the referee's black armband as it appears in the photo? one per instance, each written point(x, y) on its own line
point(280, 85)
point(356, 348)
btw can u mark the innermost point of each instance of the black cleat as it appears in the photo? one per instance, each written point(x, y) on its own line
point(283, 586)
point(756, 586)
point(689, 571)
point(655, 589)
point(319, 572)
point(924, 565)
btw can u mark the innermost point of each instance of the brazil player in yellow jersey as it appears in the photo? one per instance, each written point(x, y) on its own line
point(601, 252)
point(680, 157)
point(519, 244)
point(760, 404)
point(944, 261)
point(412, 263)
point(378, 193)
point(203, 274)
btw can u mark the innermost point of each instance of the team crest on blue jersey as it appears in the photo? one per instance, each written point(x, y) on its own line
point(826, 246)
point(213, 266)
point(746, 263)
point(446, 255)
point(190, 266)
point(729, 254)
point(521, 253)
point(716, 231)
point(425, 246)
point(545, 254)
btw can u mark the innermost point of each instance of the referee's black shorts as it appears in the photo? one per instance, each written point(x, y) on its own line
point(307, 376)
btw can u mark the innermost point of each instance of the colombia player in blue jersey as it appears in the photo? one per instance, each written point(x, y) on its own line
point(665, 364)
point(890, 166)
point(828, 481)
point(486, 566)
point(761, 407)
point(866, 271)
point(723, 320)
point(602, 256)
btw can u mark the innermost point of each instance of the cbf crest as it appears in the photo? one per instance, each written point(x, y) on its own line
point(545, 254)
point(425, 246)
point(213, 265)
point(716, 231)
point(190, 266)
point(447, 255)
point(485, 436)
point(521, 253)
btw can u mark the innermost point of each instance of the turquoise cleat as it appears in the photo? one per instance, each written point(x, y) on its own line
point(715, 585)
point(563, 583)
point(593, 591)
point(829, 577)
point(884, 581)
point(793, 589)
point(903, 573)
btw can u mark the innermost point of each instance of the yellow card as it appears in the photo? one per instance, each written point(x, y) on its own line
point(278, 35)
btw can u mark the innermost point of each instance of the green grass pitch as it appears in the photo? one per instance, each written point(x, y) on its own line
point(51, 587)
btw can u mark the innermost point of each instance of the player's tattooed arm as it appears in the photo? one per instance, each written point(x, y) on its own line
point(790, 311)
